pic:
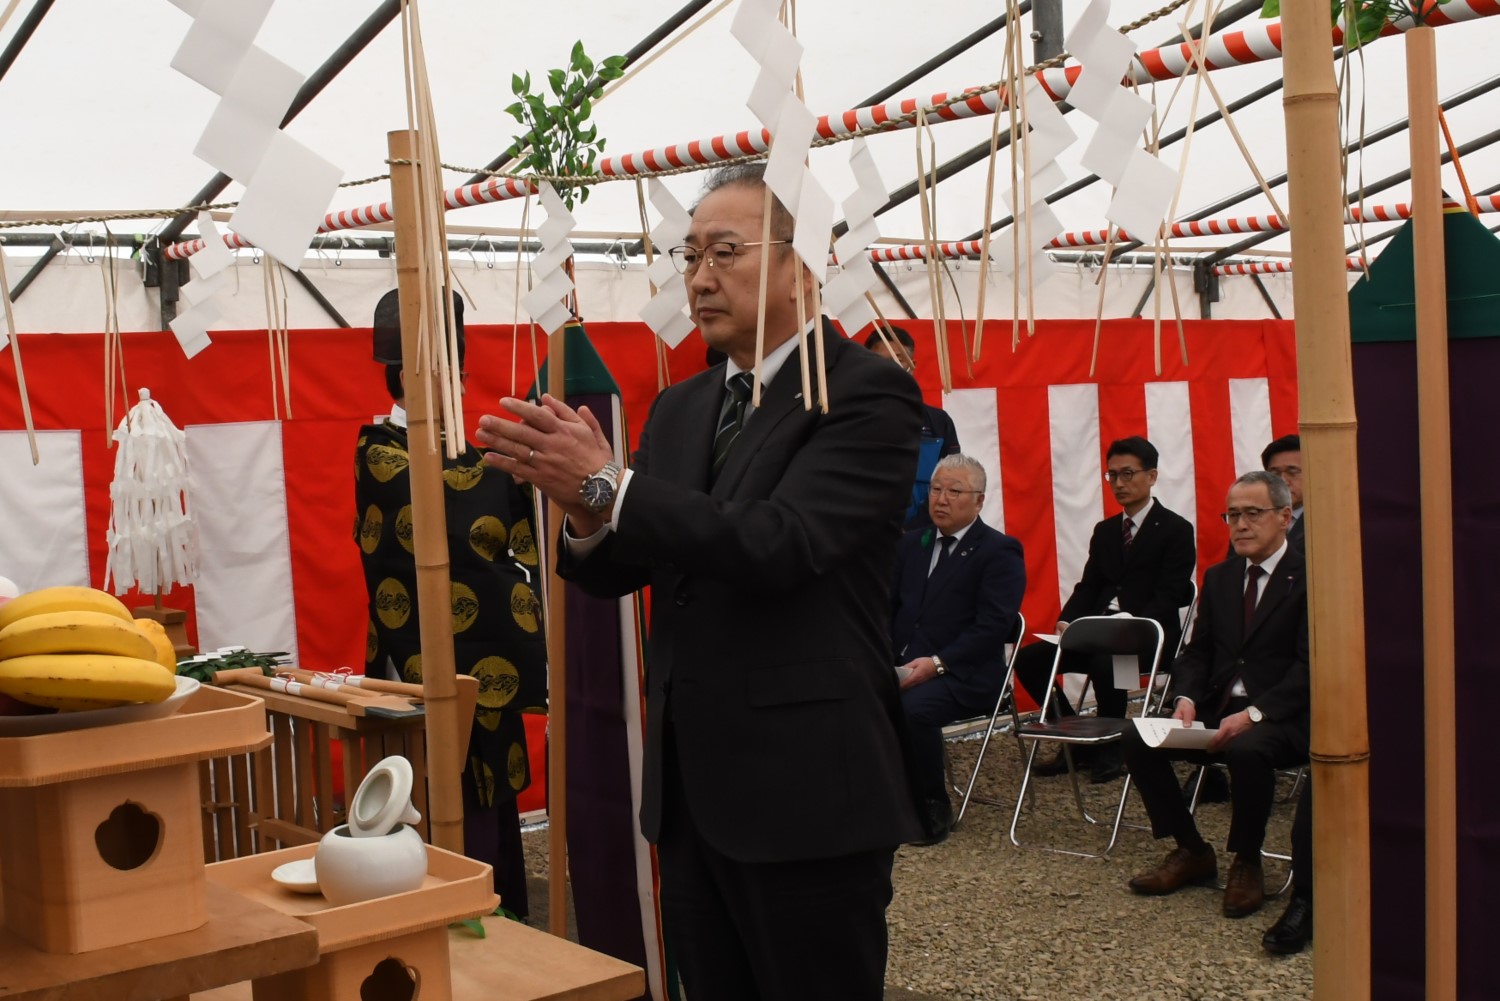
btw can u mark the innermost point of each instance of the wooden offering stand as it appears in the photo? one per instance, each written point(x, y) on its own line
point(393, 947)
point(101, 863)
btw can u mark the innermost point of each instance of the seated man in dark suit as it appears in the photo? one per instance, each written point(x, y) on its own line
point(1284, 458)
point(939, 436)
point(1245, 674)
point(1141, 561)
point(958, 588)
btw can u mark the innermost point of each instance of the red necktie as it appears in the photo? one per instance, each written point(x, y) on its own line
point(1252, 593)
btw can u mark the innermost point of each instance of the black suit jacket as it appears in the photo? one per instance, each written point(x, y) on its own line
point(769, 646)
point(1296, 536)
point(965, 611)
point(1271, 658)
point(1154, 580)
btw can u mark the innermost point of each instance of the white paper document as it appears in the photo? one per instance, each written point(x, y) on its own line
point(903, 672)
point(1171, 733)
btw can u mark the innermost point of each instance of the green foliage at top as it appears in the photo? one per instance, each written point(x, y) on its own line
point(1368, 17)
point(560, 142)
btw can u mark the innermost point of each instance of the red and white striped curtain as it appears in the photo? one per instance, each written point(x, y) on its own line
point(273, 494)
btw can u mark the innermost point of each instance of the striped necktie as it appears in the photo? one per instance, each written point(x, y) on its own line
point(731, 419)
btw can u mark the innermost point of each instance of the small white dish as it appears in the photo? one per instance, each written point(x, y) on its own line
point(31, 726)
point(300, 876)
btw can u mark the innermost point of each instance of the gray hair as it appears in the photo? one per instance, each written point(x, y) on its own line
point(968, 464)
point(1281, 494)
point(750, 175)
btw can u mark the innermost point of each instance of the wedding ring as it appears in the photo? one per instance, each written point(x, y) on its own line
point(529, 455)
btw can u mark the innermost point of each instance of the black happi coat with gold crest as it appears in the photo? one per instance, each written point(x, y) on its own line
point(493, 567)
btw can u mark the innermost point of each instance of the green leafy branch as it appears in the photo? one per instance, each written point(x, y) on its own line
point(560, 141)
point(1364, 20)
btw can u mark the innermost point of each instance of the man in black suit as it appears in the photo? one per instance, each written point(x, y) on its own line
point(1293, 930)
point(939, 435)
point(959, 585)
point(1284, 458)
point(1245, 674)
point(1141, 561)
point(775, 781)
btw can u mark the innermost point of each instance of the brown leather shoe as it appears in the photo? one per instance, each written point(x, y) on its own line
point(1180, 868)
point(1245, 890)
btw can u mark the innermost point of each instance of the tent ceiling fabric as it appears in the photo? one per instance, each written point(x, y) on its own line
point(96, 120)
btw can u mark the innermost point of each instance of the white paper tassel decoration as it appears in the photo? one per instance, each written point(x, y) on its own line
point(153, 542)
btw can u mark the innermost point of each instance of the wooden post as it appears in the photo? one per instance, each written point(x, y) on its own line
point(447, 732)
point(557, 683)
point(1436, 474)
point(1325, 390)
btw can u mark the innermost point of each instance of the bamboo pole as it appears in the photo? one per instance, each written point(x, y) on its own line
point(557, 682)
point(1325, 390)
point(447, 734)
point(1436, 475)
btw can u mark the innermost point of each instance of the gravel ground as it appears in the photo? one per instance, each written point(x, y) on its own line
point(978, 918)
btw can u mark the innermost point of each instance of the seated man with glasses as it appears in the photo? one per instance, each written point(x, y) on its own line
point(1245, 674)
point(1141, 561)
point(959, 585)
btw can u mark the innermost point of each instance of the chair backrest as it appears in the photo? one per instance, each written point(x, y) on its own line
point(1013, 641)
point(1115, 634)
point(1187, 615)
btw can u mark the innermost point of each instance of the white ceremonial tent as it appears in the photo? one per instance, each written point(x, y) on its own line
point(99, 170)
point(97, 122)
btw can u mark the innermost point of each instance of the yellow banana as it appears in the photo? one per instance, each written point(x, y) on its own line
point(166, 653)
point(75, 632)
point(84, 680)
point(62, 599)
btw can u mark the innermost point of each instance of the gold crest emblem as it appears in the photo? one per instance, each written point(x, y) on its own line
point(392, 603)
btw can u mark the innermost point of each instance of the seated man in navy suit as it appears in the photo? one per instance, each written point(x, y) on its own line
point(1245, 674)
point(958, 588)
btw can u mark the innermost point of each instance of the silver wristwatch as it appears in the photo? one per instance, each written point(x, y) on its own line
point(1255, 714)
point(598, 490)
point(937, 662)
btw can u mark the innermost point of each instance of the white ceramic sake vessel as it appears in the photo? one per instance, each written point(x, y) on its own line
point(377, 853)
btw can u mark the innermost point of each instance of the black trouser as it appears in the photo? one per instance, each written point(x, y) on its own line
point(929, 707)
point(806, 930)
point(1253, 758)
point(1034, 664)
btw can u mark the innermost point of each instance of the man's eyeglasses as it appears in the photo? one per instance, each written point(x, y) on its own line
point(720, 256)
point(1123, 475)
point(1292, 472)
point(1250, 514)
point(946, 492)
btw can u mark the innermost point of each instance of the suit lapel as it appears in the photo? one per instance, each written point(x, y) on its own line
point(1277, 588)
point(962, 551)
point(700, 419)
point(778, 401)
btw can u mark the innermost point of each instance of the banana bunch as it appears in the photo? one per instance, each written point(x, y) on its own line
point(73, 648)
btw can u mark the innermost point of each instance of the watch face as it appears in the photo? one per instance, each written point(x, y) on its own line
point(598, 492)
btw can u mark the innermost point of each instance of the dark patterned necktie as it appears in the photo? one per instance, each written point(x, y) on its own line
point(945, 543)
point(1127, 535)
point(731, 419)
point(1252, 578)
